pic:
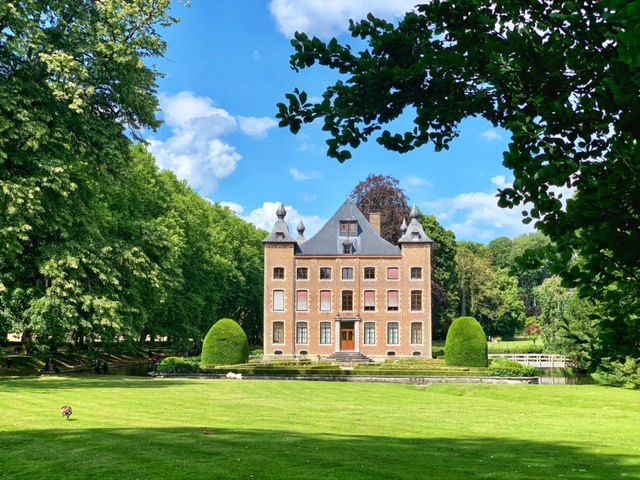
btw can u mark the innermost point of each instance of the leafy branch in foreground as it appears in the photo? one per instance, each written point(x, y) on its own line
point(561, 77)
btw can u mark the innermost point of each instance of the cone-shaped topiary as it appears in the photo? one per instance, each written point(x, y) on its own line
point(225, 344)
point(466, 344)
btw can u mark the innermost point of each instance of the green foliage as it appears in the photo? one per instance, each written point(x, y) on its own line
point(438, 352)
point(491, 295)
point(569, 101)
point(502, 367)
point(515, 347)
point(466, 344)
point(619, 374)
point(225, 344)
point(565, 319)
point(177, 365)
point(444, 278)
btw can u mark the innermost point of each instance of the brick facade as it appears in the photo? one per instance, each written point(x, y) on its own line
point(378, 304)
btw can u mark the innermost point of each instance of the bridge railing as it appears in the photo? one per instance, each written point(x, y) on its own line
point(541, 360)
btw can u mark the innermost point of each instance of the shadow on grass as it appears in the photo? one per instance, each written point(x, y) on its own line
point(213, 453)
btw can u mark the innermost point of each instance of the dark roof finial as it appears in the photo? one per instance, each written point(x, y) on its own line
point(281, 212)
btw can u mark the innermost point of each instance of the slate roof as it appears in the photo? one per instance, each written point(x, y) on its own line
point(329, 242)
point(414, 232)
point(280, 231)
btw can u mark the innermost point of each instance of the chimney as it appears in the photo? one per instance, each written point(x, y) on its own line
point(374, 220)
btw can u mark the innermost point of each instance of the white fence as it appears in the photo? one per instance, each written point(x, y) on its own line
point(536, 359)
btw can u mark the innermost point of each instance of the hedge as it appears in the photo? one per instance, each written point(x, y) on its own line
point(466, 344)
point(225, 344)
point(177, 365)
point(502, 367)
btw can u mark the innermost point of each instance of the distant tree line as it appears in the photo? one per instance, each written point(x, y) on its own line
point(493, 283)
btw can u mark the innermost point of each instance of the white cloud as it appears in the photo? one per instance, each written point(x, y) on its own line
point(256, 127)
point(194, 149)
point(491, 135)
point(414, 181)
point(325, 18)
point(265, 216)
point(310, 197)
point(500, 181)
point(299, 175)
point(235, 207)
point(476, 215)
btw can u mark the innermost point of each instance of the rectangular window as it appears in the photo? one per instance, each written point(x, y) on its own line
point(416, 273)
point(325, 300)
point(347, 300)
point(302, 332)
point(278, 273)
point(325, 333)
point(416, 300)
point(369, 300)
point(369, 273)
point(347, 273)
point(302, 273)
point(278, 300)
point(347, 248)
point(393, 333)
point(325, 273)
point(278, 332)
point(369, 333)
point(393, 300)
point(348, 229)
point(393, 273)
point(302, 300)
point(416, 333)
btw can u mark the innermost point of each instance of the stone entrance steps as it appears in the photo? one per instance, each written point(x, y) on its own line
point(350, 357)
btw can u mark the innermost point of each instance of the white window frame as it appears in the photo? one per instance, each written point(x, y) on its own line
point(393, 336)
point(278, 300)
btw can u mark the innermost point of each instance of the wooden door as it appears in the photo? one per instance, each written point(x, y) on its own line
point(347, 339)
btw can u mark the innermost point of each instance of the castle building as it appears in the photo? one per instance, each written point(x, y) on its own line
point(347, 290)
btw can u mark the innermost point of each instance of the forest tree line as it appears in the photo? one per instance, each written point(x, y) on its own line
point(95, 242)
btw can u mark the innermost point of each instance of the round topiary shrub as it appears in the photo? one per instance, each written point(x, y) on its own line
point(466, 344)
point(225, 344)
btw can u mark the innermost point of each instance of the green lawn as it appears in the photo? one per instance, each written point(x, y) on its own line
point(128, 428)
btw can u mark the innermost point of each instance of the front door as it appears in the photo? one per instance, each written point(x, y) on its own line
point(347, 342)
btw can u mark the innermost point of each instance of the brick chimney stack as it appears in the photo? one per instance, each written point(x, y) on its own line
point(374, 220)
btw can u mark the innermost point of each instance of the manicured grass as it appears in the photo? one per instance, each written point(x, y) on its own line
point(127, 428)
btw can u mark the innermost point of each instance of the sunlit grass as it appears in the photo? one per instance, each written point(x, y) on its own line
point(159, 428)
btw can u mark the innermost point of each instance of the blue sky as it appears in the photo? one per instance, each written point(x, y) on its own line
point(226, 68)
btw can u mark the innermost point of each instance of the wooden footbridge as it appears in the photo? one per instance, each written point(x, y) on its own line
point(538, 360)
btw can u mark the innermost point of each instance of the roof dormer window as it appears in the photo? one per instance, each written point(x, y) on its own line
point(348, 229)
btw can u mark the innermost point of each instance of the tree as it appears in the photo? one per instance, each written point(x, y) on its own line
point(501, 250)
point(444, 277)
point(475, 275)
point(561, 77)
point(73, 78)
point(490, 295)
point(382, 194)
point(515, 256)
point(564, 318)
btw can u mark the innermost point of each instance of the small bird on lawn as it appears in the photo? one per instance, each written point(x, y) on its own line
point(66, 411)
